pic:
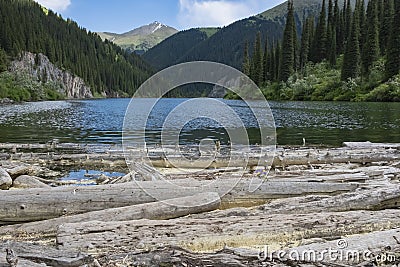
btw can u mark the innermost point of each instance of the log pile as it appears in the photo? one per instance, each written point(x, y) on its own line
point(313, 199)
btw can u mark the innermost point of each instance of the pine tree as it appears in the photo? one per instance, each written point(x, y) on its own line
point(351, 62)
point(363, 23)
point(289, 42)
point(393, 49)
point(337, 26)
point(257, 61)
point(266, 59)
point(370, 52)
point(332, 50)
point(278, 61)
point(305, 42)
point(246, 60)
point(320, 40)
point(348, 20)
point(386, 24)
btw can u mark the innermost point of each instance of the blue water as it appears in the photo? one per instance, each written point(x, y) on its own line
point(101, 121)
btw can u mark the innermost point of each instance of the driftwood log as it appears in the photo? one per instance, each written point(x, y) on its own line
point(31, 255)
point(172, 208)
point(110, 157)
point(373, 198)
point(40, 204)
point(373, 249)
point(211, 234)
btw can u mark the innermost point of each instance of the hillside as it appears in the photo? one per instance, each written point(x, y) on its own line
point(104, 67)
point(227, 45)
point(141, 39)
point(173, 48)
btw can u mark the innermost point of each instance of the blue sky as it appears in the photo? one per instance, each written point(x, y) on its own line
point(124, 15)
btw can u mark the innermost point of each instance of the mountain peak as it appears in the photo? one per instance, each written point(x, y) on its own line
point(143, 38)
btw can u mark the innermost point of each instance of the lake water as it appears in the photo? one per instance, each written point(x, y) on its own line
point(101, 121)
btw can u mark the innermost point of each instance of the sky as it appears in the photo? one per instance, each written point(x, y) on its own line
point(124, 15)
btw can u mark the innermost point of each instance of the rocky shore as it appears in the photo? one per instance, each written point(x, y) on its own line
point(313, 200)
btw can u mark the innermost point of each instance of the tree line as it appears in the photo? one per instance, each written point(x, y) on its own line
point(26, 26)
point(347, 38)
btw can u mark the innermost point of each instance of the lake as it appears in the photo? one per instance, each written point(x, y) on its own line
point(101, 121)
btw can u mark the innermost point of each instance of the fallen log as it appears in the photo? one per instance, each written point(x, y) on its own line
point(40, 204)
point(172, 208)
point(354, 250)
point(368, 199)
point(371, 198)
point(373, 249)
point(36, 255)
point(275, 230)
point(370, 145)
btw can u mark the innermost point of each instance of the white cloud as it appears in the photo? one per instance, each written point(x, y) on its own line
point(208, 13)
point(55, 5)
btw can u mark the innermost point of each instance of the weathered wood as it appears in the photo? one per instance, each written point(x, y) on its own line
point(372, 249)
point(209, 234)
point(372, 198)
point(369, 145)
point(40, 204)
point(25, 181)
point(172, 208)
point(90, 157)
point(361, 247)
point(5, 180)
point(375, 198)
point(37, 254)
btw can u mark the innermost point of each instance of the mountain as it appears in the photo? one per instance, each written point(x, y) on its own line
point(227, 45)
point(104, 67)
point(141, 39)
point(173, 48)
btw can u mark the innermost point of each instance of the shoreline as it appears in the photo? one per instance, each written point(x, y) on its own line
point(311, 197)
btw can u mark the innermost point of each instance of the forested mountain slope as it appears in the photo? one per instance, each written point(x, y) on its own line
point(105, 67)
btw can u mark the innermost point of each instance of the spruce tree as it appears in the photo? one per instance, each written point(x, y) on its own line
point(337, 24)
point(266, 59)
point(348, 20)
point(289, 42)
point(362, 21)
point(278, 61)
point(386, 24)
point(393, 49)
point(332, 50)
point(370, 52)
point(321, 36)
point(305, 42)
point(246, 60)
point(351, 61)
point(257, 61)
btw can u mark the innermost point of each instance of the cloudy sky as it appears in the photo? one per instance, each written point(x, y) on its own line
point(123, 15)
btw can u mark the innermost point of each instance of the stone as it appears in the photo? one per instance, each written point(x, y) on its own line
point(5, 180)
point(26, 181)
point(38, 66)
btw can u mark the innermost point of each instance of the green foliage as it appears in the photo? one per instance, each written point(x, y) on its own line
point(386, 92)
point(20, 87)
point(393, 50)
point(3, 60)
point(104, 66)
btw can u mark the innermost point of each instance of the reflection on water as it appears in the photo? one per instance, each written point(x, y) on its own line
point(101, 121)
